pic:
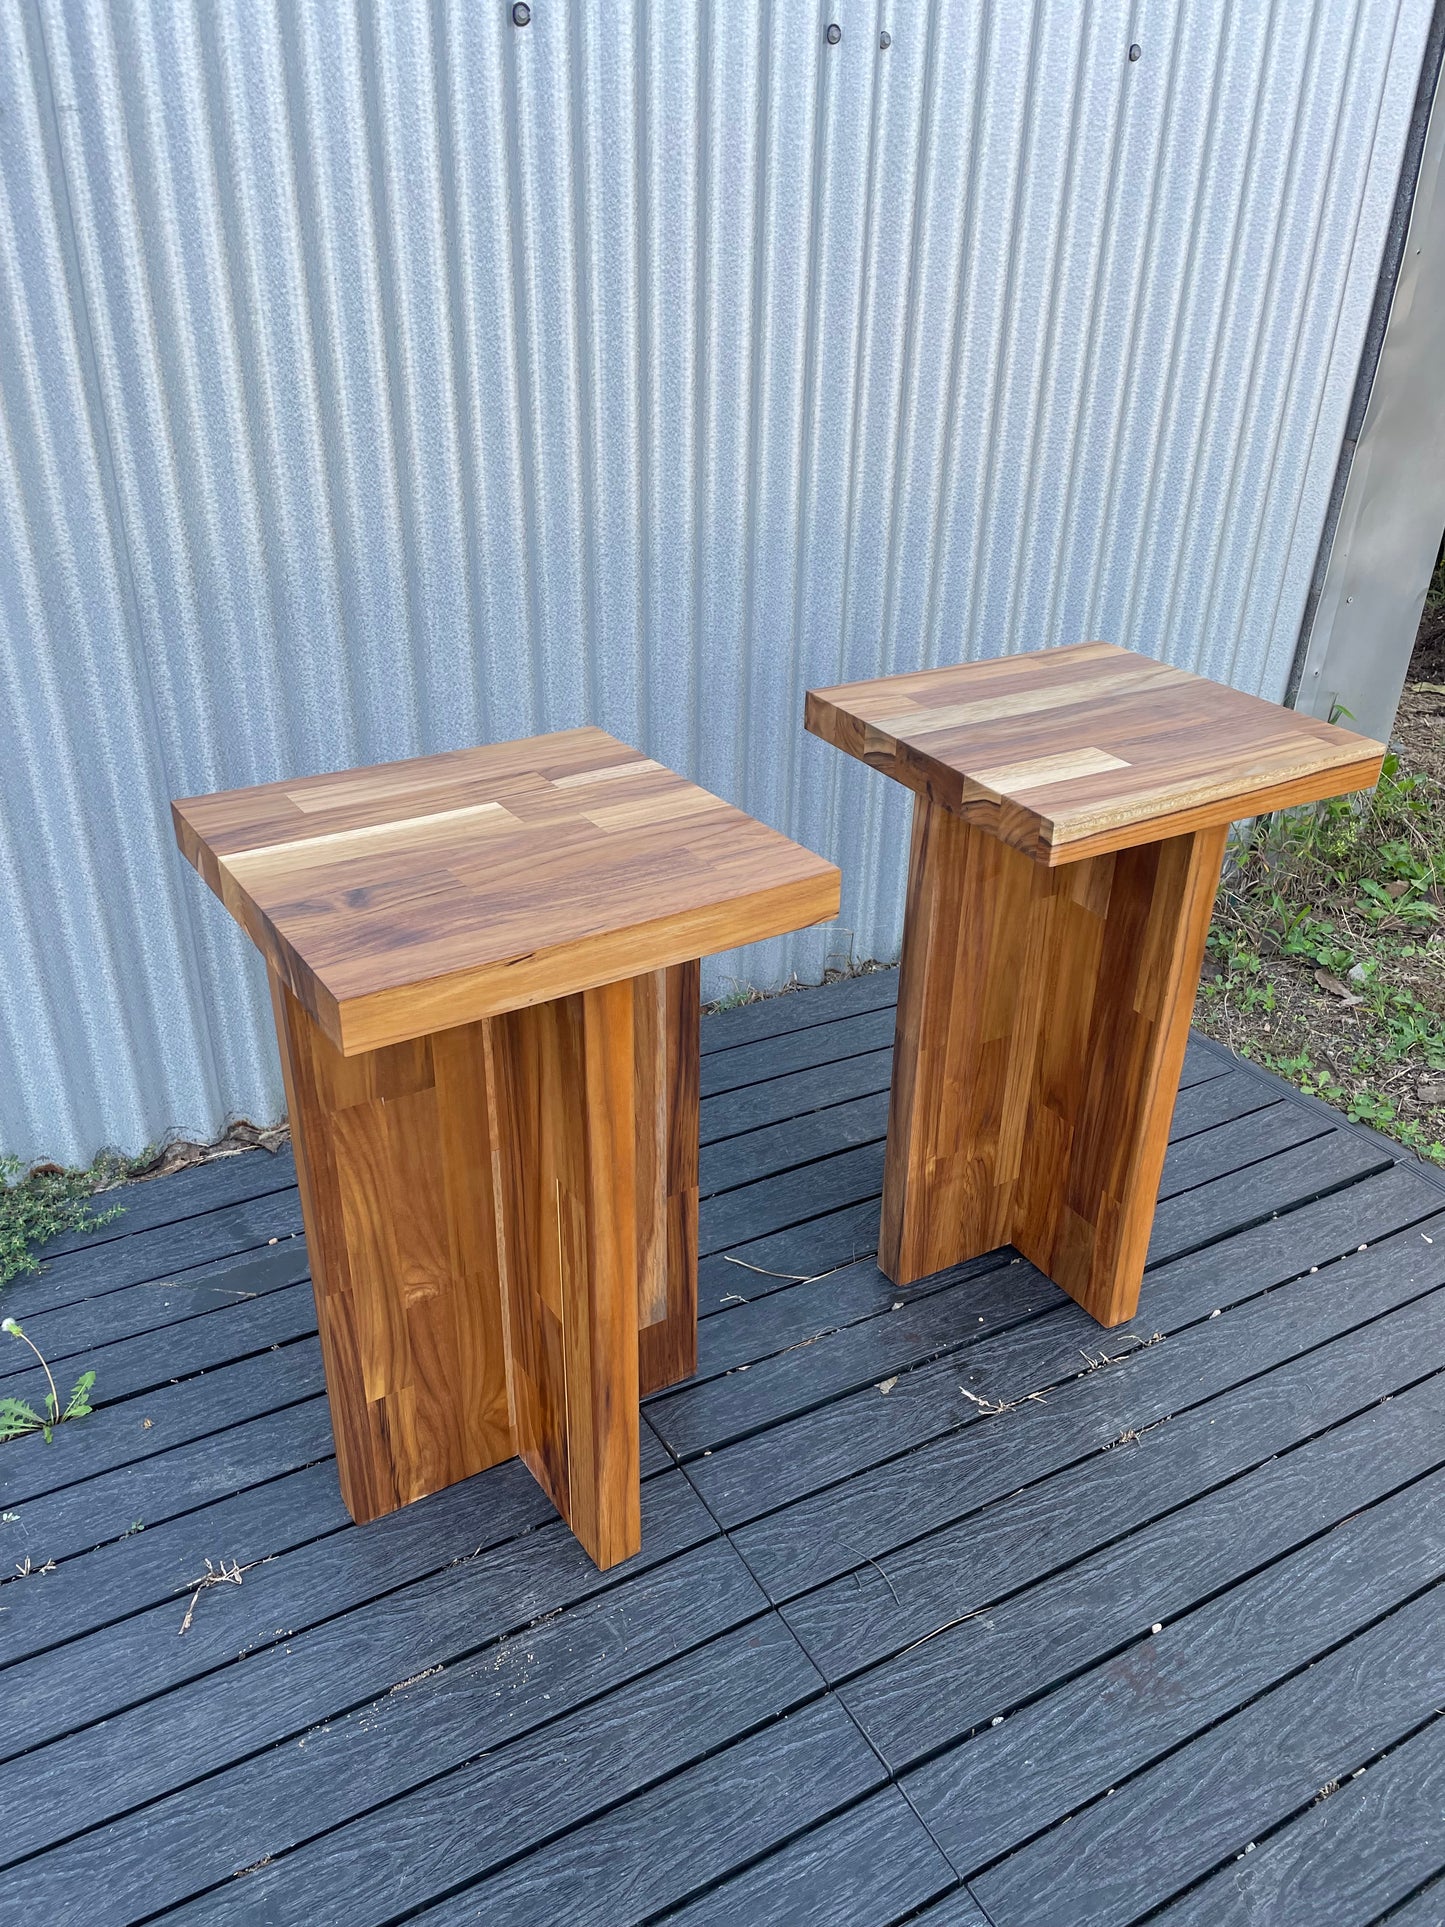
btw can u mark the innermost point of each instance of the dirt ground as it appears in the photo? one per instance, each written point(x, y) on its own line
point(1420, 724)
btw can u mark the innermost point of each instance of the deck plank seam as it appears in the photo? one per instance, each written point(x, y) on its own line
point(1102, 1659)
point(1278, 1827)
point(728, 1534)
point(1092, 1551)
point(760, 1725)
point(970, 1419)
point(607, 1585)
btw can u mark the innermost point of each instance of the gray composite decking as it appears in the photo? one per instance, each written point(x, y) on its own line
point(951, 1608)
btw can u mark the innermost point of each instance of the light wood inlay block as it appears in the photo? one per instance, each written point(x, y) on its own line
point(1068, 753)
point(408, 898)
point(485, 981)
point(1069, 828)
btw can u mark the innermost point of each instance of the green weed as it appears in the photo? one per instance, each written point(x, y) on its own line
point(17, 1418)
point(1326, 957)
point(39, 1206)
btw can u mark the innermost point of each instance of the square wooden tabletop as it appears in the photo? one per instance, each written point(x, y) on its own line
point(412, 896)
point(1068, 753)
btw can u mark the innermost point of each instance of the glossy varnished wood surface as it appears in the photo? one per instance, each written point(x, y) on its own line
point(565, 1131)
point(407, 898)
point(1069, 753)
point(668, 1085)
point(1042, 1018)
point(394, 1159)
point(502, 1220)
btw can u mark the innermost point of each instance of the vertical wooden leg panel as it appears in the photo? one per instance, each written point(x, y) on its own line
point(389, 1148)
point(962, 1061)
point(667, 1141)
point(1042, 1020)
point(565, 1127)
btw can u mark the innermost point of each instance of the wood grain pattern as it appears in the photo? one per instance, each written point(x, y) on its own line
point(393, 1152)
point(1069, 753)
point(668, 1084)
point(1069, 827)
point(1042, 1019)
point(409, 898)
point(485, 979)
point(1291, 1504)
point(565, 1157)
point(501, 1218)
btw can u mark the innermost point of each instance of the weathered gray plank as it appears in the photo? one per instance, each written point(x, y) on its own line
point(662, 1847)
point(204, 1240)
point(95, 1589)
point(530, 1792)
point(1275, 1184)
point(150, 1491)
point(799, 1546)
point(800, 1140)
point(797, 1050)
point(1215, 1101)
point(1129, 1853)
point(871, 1866)
point(98, 1676)
point(783, 1320)
point(301, 1791)
point(1230, 1147)
point(145, 1203)
point(793, 1197)
point(772, 1263)
point(132, 1366)
point(797, 1010)
point(1081, 1484)
point(1426, 1909)
point(99, 1772)
point(973, 1672)
point(173, 1415)
point(704, 1416)
point(960, 1909)
point(137, 1310)
point(1343, 1862)
point(753, 1106)
point(987, 1796)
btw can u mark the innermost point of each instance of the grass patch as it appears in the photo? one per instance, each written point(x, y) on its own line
point(1326, 956)
point(40, 1205)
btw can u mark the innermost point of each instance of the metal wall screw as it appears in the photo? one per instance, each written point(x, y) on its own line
point(521, 14)
point(1135, 51)
point(834, 33)
point(885, 41)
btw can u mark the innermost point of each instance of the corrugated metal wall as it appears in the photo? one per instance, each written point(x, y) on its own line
point(380, 379)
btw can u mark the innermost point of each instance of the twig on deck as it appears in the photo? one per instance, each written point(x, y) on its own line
point(222, 1575)
point(884, 1577)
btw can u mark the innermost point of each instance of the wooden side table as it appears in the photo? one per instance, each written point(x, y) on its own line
point(1068, 832)
point(485, 979)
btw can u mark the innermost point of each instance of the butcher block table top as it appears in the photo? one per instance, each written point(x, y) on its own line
point(1070, 753)
point(414, 896)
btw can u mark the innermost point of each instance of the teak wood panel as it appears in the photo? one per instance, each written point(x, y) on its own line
point(668, 1090)
point(1069, 753)
point(393, 1158)
point(502, 1228)
point(401, 900)
point(1042, 1020)
point(565, 1127)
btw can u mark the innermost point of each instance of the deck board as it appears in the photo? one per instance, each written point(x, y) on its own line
point(1016, 1781)
point(782, 1711)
